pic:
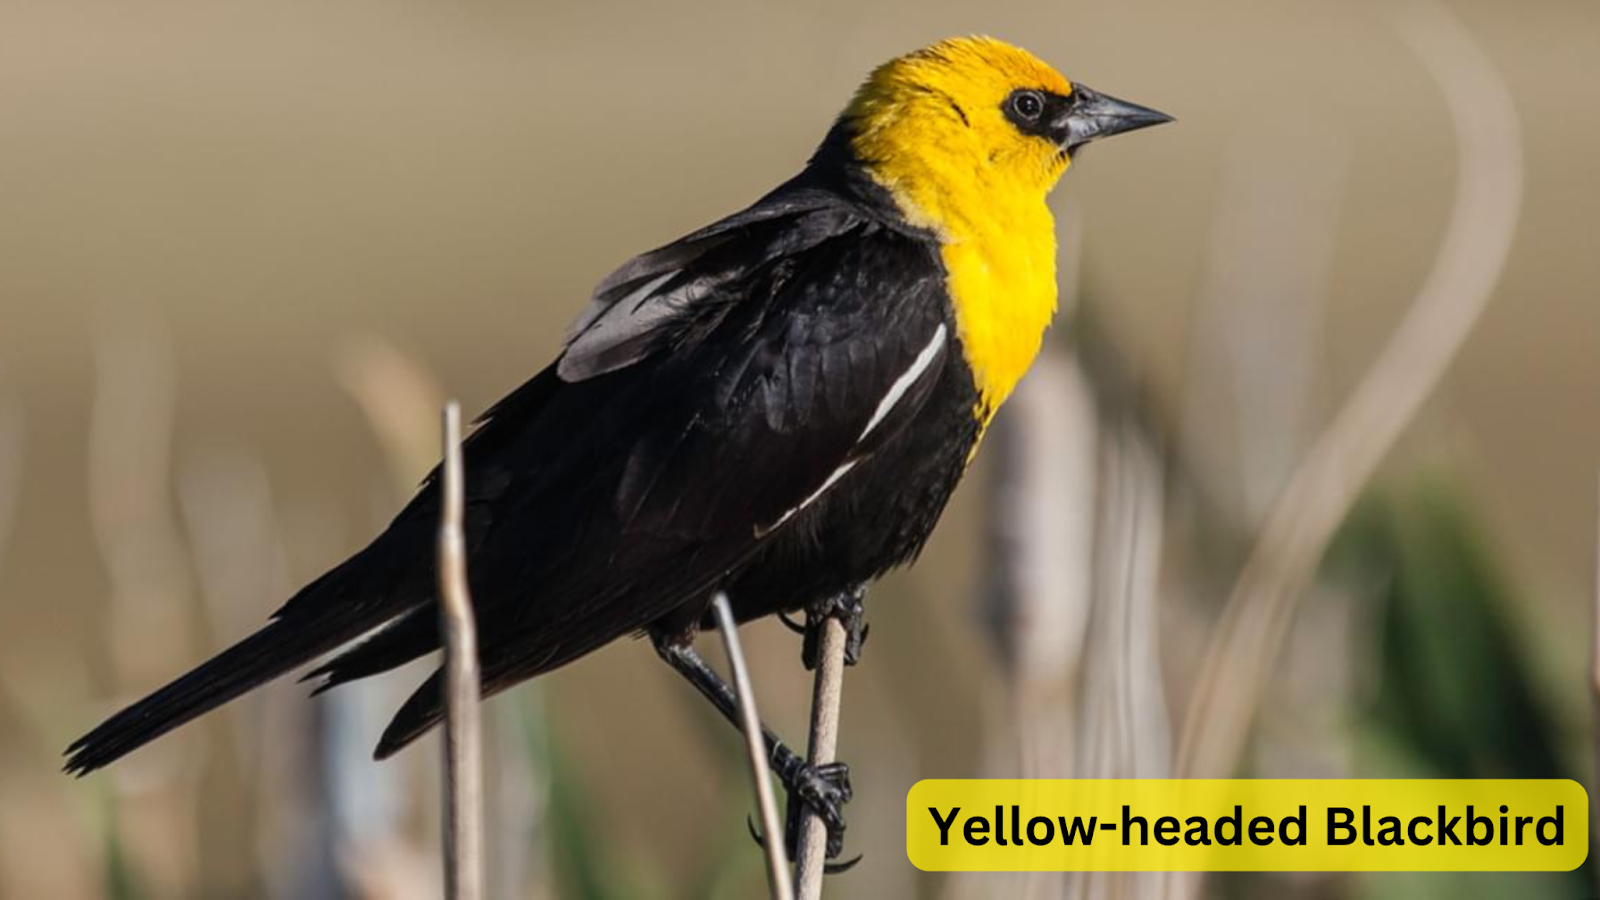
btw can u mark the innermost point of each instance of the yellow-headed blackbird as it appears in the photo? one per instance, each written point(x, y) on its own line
point(776, 406)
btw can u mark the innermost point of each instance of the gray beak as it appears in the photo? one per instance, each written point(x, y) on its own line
point(1093, 115)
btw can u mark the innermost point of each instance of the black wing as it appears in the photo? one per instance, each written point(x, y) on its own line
point(638, 308)
point(713, 388)
point(682, 427)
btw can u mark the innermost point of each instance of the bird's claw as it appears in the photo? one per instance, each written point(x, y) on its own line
point(848, 607)
point(834, 868)
point(828, 868)
point(822, 790)
point(792, 625)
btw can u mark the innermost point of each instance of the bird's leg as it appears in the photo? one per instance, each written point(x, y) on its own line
point(824, 789)
point(848, 607)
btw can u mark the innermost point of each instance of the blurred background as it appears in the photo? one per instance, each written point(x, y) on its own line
point(246, 250)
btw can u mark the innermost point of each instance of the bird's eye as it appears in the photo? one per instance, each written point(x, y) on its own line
point(1027, 104)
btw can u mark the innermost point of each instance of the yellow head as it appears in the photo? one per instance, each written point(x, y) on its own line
point(975, 114)
point(967, 137)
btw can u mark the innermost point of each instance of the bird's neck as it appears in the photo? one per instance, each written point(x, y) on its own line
point(998, 244)
point(996, 238)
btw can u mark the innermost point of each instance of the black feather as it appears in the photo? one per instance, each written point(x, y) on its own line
point(326, 613)
point(717, 440)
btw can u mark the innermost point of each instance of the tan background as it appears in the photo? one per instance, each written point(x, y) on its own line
point(243, 190)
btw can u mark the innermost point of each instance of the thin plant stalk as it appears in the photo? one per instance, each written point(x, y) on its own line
point(827, 694)
point(755, 744)
point(463, 747)
point(1260, 609)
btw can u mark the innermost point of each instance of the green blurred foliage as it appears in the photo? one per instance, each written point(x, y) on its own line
point(1455, 685)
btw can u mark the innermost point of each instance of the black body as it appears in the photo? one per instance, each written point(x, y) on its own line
point(690, 438)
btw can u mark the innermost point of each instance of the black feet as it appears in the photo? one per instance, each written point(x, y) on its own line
point(824, 789)
point(851, 612)
point(820, 789)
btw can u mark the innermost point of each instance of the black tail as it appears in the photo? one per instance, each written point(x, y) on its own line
point(408, 637)
point(325, 614)
point(421, 711)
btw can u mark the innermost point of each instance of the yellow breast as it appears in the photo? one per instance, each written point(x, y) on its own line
point(998, 243)
point(1002, 281)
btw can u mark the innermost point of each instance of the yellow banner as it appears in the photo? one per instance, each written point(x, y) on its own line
point(1017, 825)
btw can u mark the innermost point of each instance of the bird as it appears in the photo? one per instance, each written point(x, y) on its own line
point(776, 407)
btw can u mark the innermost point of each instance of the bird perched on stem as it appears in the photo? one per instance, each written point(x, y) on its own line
point(777, 406)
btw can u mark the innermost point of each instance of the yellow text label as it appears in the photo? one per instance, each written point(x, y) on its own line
point(1303, 825)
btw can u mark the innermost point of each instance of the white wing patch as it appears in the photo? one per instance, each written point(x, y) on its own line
point(897, 392)
point(906, 380)
point(837, 474)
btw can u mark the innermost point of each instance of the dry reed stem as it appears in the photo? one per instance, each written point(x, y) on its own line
point(826, 696)
point(756, 747)
point(1318, 495)
point(463, 744)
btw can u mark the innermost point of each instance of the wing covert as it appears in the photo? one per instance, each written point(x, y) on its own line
point(824, 356)
point(645, 303)
point(599, 504)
